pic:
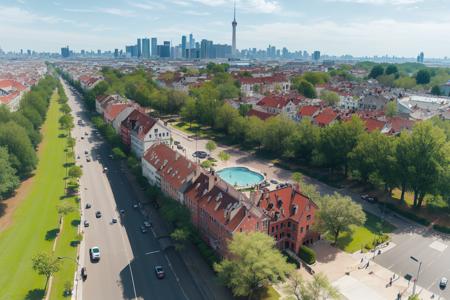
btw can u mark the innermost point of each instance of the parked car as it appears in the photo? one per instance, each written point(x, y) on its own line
point(86, 152)
point(368, 198)
point(443, 282)
point(147, 224)
point(143, 229)
point(98, 214)
point(86, 223)
point(114, 220)
point(200, 154)
point(88, 205)
point(86, 134)
point(159, 271)
point(274, 181)
point(88, 159)
point(179, 147)
point(176, 142)
point(94, 253)
point(82, 137)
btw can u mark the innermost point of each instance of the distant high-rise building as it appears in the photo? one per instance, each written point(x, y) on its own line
point(191, 41)
point(164, 50)
point(154, 47)
point(421, 57)
point(183, 46)
point(99, 52)
point(65, 52)
point(316, 55)
point(234, 25)
point(116, 53)
point(206, 49)
point(146, 48)
point(139, 47)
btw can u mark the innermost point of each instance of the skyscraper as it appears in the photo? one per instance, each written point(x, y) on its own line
point(183, 46)
point(146, 48)
point(65, 52)
point(316, 55)
point(234, 24)
point(154, 47)
point(139, 48)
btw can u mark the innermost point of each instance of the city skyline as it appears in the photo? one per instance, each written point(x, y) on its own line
point(337, 27)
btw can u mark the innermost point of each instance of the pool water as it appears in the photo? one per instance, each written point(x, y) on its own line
point(240, 176)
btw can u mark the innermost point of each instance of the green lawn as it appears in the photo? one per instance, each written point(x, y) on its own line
point(35, 222)
point(361, 235)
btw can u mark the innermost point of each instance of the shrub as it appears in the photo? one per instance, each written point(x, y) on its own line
point(307, 254)
point(440, 228)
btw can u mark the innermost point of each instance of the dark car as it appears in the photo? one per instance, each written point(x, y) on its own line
point(84, 273)
point(88, 205)
point(114, 220)
point(159, 271)
point(86, 152)
point(98, 214)
point(176, 142)
point(200, 154)
point(368, 198)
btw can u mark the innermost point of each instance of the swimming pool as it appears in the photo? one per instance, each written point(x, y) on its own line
point(240, 176)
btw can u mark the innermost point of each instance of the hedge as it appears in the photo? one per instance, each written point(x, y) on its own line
point(440, 228)
point(407, 214)
point(307, 255)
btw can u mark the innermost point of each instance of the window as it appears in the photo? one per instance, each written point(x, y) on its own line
point(307, 227)
point(288, 235)
point(308, 217)
point(257, 225)
point(281, 225)
point(273, 229)
point(301, 229)
point(289, 224)
point(277, 227)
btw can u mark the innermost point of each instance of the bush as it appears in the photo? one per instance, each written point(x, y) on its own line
point(307, 254)
point(408, 214)
point(440, 228)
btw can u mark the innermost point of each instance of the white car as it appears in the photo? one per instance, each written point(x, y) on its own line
point(94, 252)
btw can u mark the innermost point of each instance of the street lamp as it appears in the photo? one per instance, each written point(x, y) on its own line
point(418, 273)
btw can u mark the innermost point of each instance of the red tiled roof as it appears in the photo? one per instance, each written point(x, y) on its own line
point(12, 84)
point(171, 165)
point(259, 114)
point(308, 110)
point(325, 117)
point(373, 124)
point(114, 109)
point(8, 98)
point(273, 101)
point(138, 119)
point(263, 80)
point(398, 124)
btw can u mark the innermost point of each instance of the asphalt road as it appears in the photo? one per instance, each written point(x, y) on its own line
point(128, 257)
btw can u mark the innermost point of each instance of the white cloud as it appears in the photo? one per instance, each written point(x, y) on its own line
point(253, 6)
point(380, 2)
point(196, 13)
point(116, 11)
point(147, 5)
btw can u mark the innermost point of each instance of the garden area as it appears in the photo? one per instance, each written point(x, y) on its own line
point(363, 236)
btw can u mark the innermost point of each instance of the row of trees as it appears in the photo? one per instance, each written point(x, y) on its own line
point(20, 135)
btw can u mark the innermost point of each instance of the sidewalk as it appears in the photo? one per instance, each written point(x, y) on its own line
point(203, 276)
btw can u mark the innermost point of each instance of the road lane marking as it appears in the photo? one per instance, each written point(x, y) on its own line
point(176, 277)
point(153, 252)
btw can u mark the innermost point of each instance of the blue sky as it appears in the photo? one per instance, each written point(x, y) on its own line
point(357, 27)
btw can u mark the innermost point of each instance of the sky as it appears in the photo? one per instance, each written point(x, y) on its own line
point(339, 27)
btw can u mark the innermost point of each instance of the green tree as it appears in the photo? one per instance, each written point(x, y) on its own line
point(180, 236)
point(405, 82)
point(386, 80)
point(224, 156)
point(331, 98)
point(75, 172)
point(226, 115)
point(297, 177)
point(254, 263)
point(318, 288)
point(45, 265)
point(435, 90)
point(66, 122)
point(391, 109)
point(118, 153)
point(376, 71)
point(21, 152)
point(337, 215)
point(391, 69)
point(307, 89)
point(211, 146)
point(429, 155)
point(244, 109)
point(8, 179)
point(65, 208)
point(423, 77)
point(276, 133)
point(254, 134)
point(189, 111)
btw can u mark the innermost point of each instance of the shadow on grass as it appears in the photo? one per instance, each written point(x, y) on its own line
point(62, 135)
point(75, 223)
point(51, 234)
point(36, 294)
point(68, 165)
point(74, 243)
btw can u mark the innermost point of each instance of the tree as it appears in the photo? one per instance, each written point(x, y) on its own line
point(211, 146)
point(391, 109)
point(224, 156)
point(65, 108)
point(297, 177)
point(180, 236)
point(307, 89)
point(8, 179)
point(65, 209)
point(318, 288)
point(436, 90)
point(331, 98)
point(189, 111)
point(118, 153)
point(423, 77)
point(376, 71)
point(75, 172)
point(71, 142)
point(429, 154)
point(45, 265)
point(66, 122)
point(391, 69)
point(254, 263)
point(405, 82)
point(337, 214)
